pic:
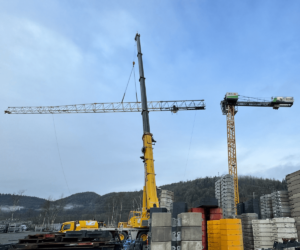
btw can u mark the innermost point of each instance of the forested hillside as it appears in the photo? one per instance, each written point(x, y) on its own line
point(114, 207)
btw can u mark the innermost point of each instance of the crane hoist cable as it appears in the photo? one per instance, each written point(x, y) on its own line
point(133, 63)
point(134, 54)
point(137, 99)
point(60, 155)
point(128, 81)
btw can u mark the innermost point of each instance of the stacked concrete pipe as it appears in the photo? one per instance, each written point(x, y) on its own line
point(218, 192)
point(293, 183)
point(227, 196)
point(248, 237)
point(166, 199)
point(284, 228)
point(266, 206)
point(280, 204)
point(263, 233)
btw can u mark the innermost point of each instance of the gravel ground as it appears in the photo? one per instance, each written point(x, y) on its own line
point(14, 237)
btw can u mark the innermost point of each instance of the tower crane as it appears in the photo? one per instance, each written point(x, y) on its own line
point(137, 219)
point(229, 108)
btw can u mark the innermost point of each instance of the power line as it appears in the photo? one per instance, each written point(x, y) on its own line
point(187, 159)
point(59, 154)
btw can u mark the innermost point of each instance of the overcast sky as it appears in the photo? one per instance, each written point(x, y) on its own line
point(74, 52)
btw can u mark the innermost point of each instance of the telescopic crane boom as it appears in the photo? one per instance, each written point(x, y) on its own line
point(229, 108)
point(150, 199)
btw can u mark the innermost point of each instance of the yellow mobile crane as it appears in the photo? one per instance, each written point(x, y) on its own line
point(229, 108)
point(138, 220)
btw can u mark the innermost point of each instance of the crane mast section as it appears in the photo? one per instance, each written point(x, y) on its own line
point(231, 144)
point(110, 107)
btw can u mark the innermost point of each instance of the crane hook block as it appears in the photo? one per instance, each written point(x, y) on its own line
point(133, 63)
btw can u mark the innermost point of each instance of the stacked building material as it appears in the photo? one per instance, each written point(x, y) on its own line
point(213, 235)
point(284, 228)
point(262, 214)
point(215, 213)
point(218, 191)
point(227, 196)
point(166, 199)
point(263, 233)
point(161, 229)
point(208, 202)
point(204, 226)
point(176, 209)
point(293, 183)
point(240, 208)
point(252, 206)
point(266, 206)
point(256, 207)
point(248, 237)
point(190, 231)
point(231, 234)
point(280, 204)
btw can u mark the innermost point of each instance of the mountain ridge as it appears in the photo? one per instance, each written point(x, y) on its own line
point(89, 205)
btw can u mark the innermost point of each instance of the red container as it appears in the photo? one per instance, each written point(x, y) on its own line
point(197, 210)
point(215, 216)
point(215, 211)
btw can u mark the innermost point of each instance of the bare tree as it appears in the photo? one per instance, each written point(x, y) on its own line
point(15, 200)
point(52, 208)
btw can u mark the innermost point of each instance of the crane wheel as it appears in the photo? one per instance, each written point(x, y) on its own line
point(122, 235)
point(143, 236)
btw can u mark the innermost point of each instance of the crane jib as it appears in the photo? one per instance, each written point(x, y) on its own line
point(172, 106)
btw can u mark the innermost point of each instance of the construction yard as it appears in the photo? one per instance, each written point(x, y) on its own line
point(10, 238)
point(102, 153)
point(269, 222)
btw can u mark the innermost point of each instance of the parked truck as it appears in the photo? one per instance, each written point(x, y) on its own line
point(81, 225)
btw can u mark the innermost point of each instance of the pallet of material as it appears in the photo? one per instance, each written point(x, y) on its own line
point(87, 240)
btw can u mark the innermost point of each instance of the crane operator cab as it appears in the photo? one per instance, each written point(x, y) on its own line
point(134, 213)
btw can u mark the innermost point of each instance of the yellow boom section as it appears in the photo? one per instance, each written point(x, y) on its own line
point(150, 183)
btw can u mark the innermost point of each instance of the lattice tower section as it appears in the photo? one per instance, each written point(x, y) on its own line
point(231, 145)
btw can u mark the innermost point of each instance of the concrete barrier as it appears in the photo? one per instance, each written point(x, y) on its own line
point(190, 219)
point(191, 245)
point(161, 220)
point(161, 234)
point(161, 246)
